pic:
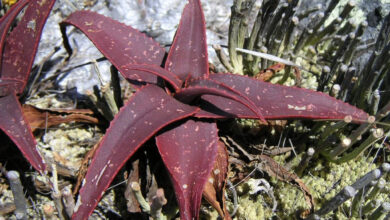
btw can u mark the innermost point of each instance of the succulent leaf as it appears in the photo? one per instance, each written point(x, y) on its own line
point(17, 52)
point(147, 111)
point(14, 125)
point(277, 102)
point(188, 54)
point(8, 86)
point(22, 43)
point(189, 152)
point(6, 22)
point(200, 87)
point(171, 78)
point(119, 43)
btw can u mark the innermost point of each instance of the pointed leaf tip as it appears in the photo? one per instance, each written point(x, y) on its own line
point(188, 53)
point(189, 152)
point(281, 102)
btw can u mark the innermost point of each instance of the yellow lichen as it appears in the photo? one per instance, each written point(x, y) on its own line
point(9, 2)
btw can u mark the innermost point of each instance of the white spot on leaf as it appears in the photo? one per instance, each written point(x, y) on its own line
point(101, 174)
point(297, 108)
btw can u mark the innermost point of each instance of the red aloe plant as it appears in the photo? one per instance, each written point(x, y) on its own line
point(190, 97)
point(17, 52)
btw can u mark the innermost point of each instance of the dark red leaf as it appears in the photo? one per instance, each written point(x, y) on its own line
point(129, 73)
point(9, 86)
point(188, 54)
point(119, 43)
point(22, 43)
point(199, 87)
point(276, 101)
point(188, 152)
point(144, 114)
point(14, 125)
point(6, 22)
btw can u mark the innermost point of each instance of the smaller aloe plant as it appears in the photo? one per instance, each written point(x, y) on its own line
point(179, 105)
point(17, 52)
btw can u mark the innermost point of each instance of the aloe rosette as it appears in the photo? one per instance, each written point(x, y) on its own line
point(177, 92)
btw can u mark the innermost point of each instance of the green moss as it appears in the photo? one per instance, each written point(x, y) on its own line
point(253, 207)
point(324, 181)
point(290, 200)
